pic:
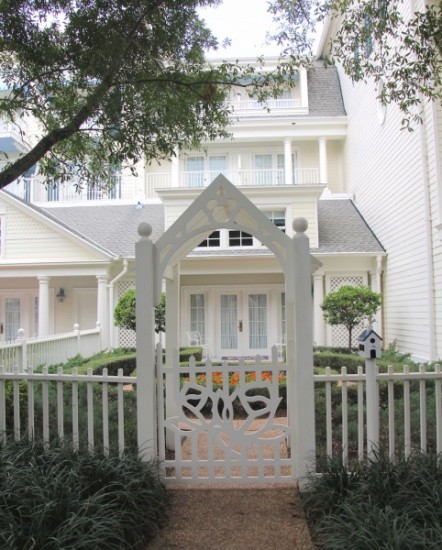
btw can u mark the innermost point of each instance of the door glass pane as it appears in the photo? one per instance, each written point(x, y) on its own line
point(263, 169)
point(257, 321)
point(229, 321)
point(12, 318)
point(197, 313)
point(195, 171)
point(217, 165)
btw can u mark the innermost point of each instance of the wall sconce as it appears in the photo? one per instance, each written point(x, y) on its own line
point(61, 295)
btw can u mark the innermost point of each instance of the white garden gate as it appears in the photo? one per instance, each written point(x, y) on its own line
point(222, 206)
point(225, 427)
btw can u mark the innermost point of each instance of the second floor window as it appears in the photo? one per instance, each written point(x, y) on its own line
point(202, 170)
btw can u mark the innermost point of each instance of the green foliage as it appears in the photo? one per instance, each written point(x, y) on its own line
point(54, 498)
point(125, 314)
point(113, 82)
point(378, 503)
point(349, 306)
point(337, 360)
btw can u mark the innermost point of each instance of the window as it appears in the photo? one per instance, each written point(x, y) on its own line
point(195, 171)
point(197, 313)
point(257, 321)
point(283, 317)
point(214, 239)
point(277, 217)
point(240, 238)
point(201, 170)
point(263, 169)
point(281, 169)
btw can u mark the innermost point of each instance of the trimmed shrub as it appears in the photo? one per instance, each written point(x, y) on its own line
point(338, 360)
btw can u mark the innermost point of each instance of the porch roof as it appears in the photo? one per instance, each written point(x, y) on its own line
point(113, 227)
point(342, 229)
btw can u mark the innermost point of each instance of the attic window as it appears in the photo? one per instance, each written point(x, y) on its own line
point(212, 240)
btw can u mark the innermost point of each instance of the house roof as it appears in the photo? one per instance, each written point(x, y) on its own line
point(113, 227)
point(324, 91)
point(342, 229)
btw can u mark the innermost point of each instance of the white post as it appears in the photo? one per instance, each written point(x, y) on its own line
point(300, 352)
point(145, 318)
point(288, 165)
point(102, 315)
point(318, 297)
point(372, 407)
point(172, 344)
point(175, 168)
point(323, 169)
point(23, 366)
point(43, 305)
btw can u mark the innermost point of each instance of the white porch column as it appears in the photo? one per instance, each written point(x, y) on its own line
point(43, 305)
point(318, 318)
point(300, 389)
point(323, 169)
point(288, 164)
point(145, 283)
point(172, 344)
point(175, 169)
point(102, 309)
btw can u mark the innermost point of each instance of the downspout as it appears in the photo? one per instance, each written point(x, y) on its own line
point(429, 246)
point(111, 301)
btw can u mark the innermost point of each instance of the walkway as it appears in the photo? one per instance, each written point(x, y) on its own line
point(234, 519)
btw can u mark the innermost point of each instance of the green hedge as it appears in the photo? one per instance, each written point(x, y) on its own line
point(338, 360)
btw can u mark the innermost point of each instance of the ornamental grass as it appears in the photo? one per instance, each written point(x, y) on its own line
point(53, 498)
point(379, 504)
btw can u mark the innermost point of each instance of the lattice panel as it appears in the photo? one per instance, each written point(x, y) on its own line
point(126, 338)
point(209, 440)
point(339, 332)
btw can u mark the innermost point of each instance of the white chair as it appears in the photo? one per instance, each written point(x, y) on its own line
point(194, 338)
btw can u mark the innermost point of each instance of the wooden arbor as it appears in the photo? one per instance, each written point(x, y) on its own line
point(222, 205)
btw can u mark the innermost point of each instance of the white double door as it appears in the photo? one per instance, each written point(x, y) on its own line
point(243, 323)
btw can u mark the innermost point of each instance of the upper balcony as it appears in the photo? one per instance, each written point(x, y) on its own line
point(34, 190)
point(239, 178)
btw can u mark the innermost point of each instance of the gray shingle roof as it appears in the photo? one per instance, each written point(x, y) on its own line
point(324, 91)
point(343, 229)
point(113, 227)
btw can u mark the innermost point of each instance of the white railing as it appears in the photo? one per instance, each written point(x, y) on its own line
point(24, 353)
point(35, 189)
point(243, 107)
point(409, 406)
point(240, 178)
point(90, 410)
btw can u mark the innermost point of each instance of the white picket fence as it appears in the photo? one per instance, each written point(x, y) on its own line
point(92, 409)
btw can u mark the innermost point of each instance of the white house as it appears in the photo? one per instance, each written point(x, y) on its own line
point(394, 178)
point(66, 257)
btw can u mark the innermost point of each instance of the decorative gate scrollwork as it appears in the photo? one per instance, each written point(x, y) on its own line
point(227, 423)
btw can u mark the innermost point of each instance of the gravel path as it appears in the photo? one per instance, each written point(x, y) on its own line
point(234, 519)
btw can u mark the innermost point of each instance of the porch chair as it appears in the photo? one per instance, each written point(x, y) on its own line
point(194, 338)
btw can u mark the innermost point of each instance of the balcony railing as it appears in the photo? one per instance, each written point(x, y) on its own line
point(240, 178)
point(12, 136)
point(34, 190)
point(243, 107)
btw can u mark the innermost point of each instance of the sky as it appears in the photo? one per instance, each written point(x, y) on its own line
point(245, 22)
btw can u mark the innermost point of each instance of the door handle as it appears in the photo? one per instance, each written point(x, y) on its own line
point(240, 326)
